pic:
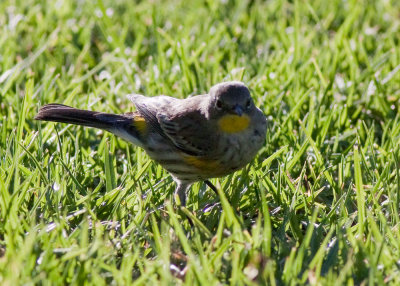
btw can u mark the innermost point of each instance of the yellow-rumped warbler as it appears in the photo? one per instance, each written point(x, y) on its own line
point(194, 139)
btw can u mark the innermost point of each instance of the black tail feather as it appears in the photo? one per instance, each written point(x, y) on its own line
point(66, 114)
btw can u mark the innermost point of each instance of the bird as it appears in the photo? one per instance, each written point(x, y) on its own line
point(195, 139)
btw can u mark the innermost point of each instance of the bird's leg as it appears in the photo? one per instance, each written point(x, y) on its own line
point(180, 192)
point(212, 187)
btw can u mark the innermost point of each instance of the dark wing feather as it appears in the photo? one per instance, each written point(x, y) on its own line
point(189, 131)
point(147, 108)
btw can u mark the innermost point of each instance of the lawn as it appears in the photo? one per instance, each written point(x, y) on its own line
point(319, 204)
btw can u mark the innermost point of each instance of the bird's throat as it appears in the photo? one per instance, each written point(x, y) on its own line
point(233, 123)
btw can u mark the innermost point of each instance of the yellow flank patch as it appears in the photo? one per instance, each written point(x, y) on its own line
point(202, 164)
point(140, 124)
point(233, 123)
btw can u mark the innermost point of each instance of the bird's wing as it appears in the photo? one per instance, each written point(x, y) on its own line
point(189, 131)
point(148, 107)
point(182, 121)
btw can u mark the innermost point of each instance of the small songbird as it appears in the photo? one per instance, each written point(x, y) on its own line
point(194, 139)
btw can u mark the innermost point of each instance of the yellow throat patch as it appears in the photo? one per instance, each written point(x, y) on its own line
point(233, 123)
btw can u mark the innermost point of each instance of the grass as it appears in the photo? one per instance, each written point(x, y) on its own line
point(320, 203)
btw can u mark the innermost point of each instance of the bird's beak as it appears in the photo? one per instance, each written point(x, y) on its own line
point(238, 110)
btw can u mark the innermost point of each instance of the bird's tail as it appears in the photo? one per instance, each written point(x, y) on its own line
point(66, 114)
point(130, 126)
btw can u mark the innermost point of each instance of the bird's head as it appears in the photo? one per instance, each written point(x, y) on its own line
point(231, 105)
point(231, 97)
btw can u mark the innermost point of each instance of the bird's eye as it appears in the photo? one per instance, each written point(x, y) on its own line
point(219, 104)
point(248, 103)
